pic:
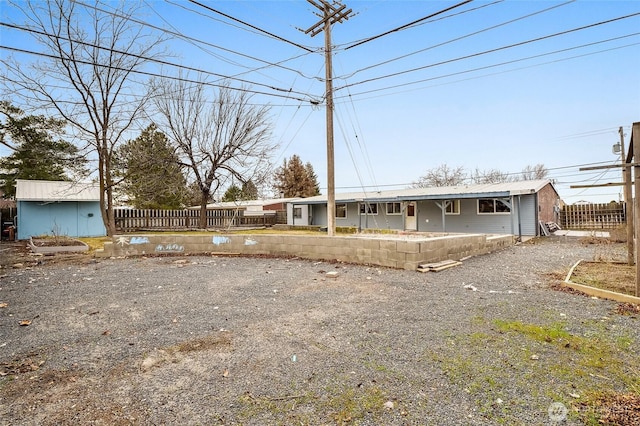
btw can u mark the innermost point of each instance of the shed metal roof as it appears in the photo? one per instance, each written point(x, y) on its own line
point(491, 190)
point(45, 190)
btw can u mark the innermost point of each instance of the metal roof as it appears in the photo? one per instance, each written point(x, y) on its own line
point(248, 204)
point(490, 190)
point(45, 190)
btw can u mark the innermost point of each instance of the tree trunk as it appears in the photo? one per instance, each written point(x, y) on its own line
point(203, 210)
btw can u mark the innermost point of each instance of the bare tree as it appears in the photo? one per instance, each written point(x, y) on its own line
point(539, 171)
point(443, 175)
point(85, 76)
point(491, 176)
point(217, 137)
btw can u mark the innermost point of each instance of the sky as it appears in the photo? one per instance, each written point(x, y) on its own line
point(486, 85)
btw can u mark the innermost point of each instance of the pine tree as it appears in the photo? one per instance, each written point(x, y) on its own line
point(294, 179)
point(152, 175)
point(36, 155)
point(233, 193)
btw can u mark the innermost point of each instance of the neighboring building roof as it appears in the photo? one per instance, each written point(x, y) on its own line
point(249, 204)
point(494, 190)
point(45, 190)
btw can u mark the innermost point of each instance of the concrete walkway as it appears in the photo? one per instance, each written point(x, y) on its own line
point(568, 233)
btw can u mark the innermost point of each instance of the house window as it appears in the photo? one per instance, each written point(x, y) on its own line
point(371, 209)
point(452, 207)
point(394, 208)
point(493, 206)
point(297, 212)
point(341, 211)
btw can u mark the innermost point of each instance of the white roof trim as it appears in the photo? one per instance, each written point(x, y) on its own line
point(445, 192)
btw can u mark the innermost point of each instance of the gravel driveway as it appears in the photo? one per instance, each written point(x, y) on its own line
point(266, 341)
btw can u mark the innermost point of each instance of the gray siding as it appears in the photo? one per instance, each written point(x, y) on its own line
point(429, 218)
point(380, 221)
point(528, 215)
point(467, 221)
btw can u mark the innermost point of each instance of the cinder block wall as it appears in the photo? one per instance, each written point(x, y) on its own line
point(384, 251)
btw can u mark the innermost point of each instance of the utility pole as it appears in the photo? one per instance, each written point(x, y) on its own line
point(628, 199)
point(635, 141)
point(331, 13)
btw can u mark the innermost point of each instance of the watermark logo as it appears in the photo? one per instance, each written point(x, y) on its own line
point(557, 412)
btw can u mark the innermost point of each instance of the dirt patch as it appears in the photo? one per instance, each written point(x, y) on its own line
point(612, 276)
point(56, 242)
point(613, 409)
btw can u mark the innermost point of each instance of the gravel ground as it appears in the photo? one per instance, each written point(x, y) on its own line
point(265, 341)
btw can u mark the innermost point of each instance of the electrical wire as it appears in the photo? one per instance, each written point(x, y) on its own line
point(497, 65)
point(456, 39)
point(211, 9)
point(150, 74)
point(405, 26)
point(485, 52)
point(199, 41)
point(146, 58)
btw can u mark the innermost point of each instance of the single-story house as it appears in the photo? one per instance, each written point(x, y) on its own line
point(515, 208)
point(58, 208)
point(255, 208)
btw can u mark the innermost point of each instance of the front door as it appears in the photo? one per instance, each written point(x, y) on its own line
point(410, 222)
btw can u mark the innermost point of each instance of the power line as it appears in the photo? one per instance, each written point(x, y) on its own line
point(150, 74)
point(501, 64)
point(159, 61)
point(209, 8)
point(199, 41)
point(497, 49)
point(402, 27)
point(457, 39)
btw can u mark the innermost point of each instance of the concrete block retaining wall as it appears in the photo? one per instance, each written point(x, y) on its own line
point(394, 252)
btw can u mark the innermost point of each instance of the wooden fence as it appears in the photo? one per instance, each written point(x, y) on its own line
point(593, 216)
point(132, 220)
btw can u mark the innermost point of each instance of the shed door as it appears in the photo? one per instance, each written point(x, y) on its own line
point(410, 223)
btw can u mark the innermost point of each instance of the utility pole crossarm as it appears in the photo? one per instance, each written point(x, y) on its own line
point(330, 14)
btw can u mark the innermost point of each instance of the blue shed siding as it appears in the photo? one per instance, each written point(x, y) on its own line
point(69, 218)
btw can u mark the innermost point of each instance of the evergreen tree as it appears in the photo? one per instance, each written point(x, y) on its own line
point(294, 179)
point(233, 193)
point(36, 155)
point(249, 191)
point(151, 173)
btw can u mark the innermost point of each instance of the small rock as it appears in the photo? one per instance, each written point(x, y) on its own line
point(389, 405)
point(535, 357)
point(332, 274)
point(574, 395)
point(18, 265)
point(499, 401)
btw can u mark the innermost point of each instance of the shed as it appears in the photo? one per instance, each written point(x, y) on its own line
point(58, 208)
point(514, 208)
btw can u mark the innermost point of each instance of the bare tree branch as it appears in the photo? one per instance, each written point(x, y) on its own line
point(87, 79)
point(226, 137)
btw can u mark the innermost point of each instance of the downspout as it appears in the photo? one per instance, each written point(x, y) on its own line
point(404, 216)
point(366, 215)
point(519, 220)
point(443, 207)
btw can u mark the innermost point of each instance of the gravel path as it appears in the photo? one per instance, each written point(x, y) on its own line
point(262, 341)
